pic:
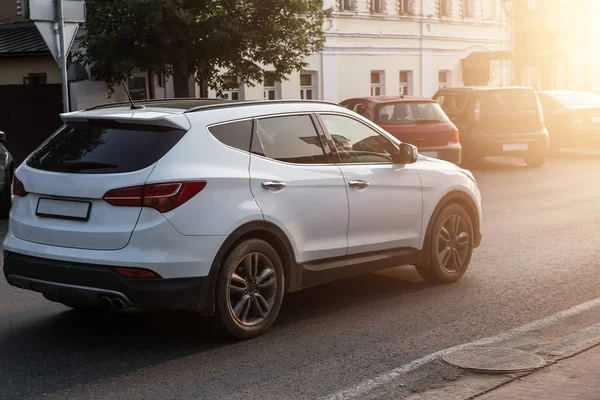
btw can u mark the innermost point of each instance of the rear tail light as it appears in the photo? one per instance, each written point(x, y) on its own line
point(136, 273)
point(5, 254)
point(163, 197)
point(19, 188)
point(477, 112)
point(456, 137)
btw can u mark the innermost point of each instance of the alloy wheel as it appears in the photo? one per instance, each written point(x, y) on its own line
point(252, 289)
point(453, 243)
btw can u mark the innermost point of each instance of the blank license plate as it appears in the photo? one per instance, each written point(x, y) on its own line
point(515, 147)
point(65, 209)
point(432, 154)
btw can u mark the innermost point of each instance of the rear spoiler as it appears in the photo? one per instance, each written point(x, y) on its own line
point(138, 117)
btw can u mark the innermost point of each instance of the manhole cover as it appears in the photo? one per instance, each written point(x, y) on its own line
point(489, 359)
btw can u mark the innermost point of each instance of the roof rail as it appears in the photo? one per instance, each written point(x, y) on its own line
point(152, 101)
point(254, 103)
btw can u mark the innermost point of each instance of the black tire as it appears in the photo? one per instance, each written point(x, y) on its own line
point(6, 195)
point(535, 160)
point(249, 302)
point(438, 270)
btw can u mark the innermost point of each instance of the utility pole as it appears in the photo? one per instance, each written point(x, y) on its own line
point(63, 56)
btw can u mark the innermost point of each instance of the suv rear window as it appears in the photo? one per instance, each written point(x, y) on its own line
point(513, 100)
point(452, 102)
point(403, 113)
point(104, 147)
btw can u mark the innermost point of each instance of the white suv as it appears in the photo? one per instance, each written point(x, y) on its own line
point(223, 207)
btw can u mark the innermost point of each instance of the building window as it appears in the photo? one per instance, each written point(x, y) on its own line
point(272, 88)
point(308, 85)
point(35, 79)
point(377, 6)
point(407, 7)
point(492, 7)
point(444, 79)
point(346, 5)
point(406, 83)
point(138, 88)
point(445, 8)
point(377, 83)
point(231, 92)
point(468, 8)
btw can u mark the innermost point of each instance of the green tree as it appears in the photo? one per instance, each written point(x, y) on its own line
point(183, 38)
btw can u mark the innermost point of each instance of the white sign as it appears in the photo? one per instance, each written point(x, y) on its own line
point(44, 14)
point(49, 31)
point(45, 10)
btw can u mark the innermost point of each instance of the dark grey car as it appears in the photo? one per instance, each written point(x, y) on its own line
point(7, 171)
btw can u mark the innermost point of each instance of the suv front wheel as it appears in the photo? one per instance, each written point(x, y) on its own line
point(250, 289)
point(450, 247)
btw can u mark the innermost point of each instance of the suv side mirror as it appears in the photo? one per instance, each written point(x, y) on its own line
point(406, 154)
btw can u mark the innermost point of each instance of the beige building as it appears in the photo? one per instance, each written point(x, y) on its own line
point(389, 47)
point(373, 47)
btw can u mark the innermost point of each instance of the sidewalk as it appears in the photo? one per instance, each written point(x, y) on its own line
point(574, 378)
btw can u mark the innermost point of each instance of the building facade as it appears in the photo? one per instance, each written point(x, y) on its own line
point(392, 47)
point(372, 47)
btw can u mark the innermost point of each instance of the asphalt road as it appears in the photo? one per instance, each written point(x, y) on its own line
point(539, 256)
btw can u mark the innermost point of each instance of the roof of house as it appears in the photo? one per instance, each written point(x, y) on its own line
point(22, 39)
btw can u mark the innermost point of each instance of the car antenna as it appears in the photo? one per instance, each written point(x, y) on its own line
point(133, 105)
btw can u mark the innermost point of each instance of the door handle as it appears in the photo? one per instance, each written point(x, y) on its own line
point(358, 184)
point(273, 185)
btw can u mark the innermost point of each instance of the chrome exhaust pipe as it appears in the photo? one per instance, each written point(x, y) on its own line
point(118, 304)
point(106, 302)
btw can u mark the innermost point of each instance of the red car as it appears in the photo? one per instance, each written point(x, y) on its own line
point(415, 120)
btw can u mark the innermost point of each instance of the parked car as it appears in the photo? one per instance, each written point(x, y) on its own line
point(415, 120)
point(7, 170)
point(572, 118)
point(223, 208)
point(499, 121)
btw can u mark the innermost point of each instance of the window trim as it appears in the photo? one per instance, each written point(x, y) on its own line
point(314, 77)
point(376, 128)
point(377, 6)
point(447, 6)
point(408, 84)
point(380, 85)
point(328, 151)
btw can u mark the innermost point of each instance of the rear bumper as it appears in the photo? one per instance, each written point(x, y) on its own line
point(494, 145)
point(88, 283)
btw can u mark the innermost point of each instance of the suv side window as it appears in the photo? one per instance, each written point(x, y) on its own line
point(235, 134)
point(292, 139)
point(356, 142)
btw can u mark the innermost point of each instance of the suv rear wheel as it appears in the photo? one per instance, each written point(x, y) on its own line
point(250, 289)
point(451, 246)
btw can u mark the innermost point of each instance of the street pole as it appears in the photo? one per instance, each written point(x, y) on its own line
point(63, 56)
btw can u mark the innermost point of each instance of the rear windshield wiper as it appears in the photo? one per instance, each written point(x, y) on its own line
point(82, 165)
point(428, 121)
